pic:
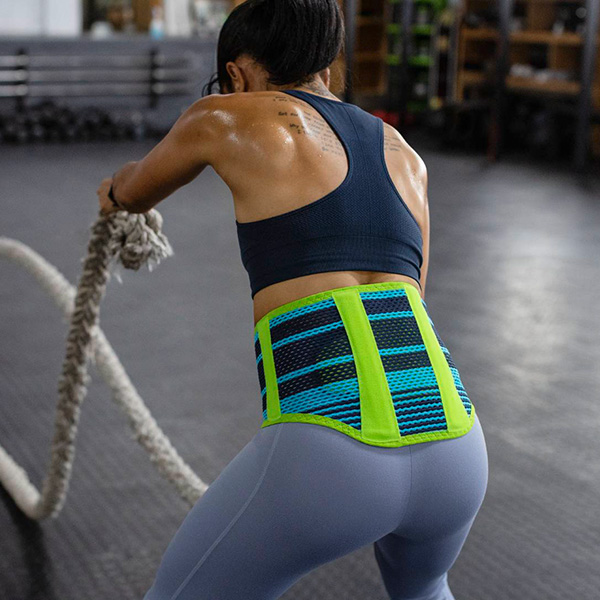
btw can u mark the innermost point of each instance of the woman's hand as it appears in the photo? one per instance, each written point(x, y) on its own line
point(106, 205)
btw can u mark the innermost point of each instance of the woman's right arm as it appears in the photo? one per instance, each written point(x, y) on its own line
point(188, 148)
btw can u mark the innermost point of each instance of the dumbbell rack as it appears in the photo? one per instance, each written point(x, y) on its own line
point(24, 75)
point(157, 78)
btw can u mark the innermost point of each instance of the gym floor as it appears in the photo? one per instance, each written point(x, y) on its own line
point(513, 288)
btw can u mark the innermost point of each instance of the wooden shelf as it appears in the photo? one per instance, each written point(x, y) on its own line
point(480, 33)
point(476, 46)
point(370, 21)
point(546, 37)
point(568, 88)
point(483, 50)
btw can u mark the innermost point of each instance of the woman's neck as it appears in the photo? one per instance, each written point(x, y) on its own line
point(314, 87)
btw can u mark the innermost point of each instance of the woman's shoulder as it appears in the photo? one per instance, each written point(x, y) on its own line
point(243, 129)
point(250, 105)
point(223, 117)
point(407, 158)
point(253, 117)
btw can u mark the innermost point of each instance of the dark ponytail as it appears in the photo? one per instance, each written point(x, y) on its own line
point(292, 39)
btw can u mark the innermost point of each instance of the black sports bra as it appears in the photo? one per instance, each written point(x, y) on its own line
point(361, 225)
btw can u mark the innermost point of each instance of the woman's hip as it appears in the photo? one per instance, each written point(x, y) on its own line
point(419, 489)
point(299, 495)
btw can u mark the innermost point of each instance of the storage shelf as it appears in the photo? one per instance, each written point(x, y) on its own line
point(569, 88)
point(369, 22)
point(498, 48)
point(546, 37)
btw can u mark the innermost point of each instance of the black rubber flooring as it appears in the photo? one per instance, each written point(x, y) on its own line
point(514, 289)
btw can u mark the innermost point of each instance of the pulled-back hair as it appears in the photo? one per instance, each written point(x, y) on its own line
point(291, 39)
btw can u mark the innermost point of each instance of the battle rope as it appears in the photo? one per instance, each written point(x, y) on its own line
point(131, 240)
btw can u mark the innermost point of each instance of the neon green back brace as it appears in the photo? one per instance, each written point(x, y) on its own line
point(365, 360)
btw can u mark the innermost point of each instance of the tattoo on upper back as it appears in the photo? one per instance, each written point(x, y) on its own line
point(309, 123)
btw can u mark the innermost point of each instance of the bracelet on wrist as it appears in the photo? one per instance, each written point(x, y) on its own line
point(111, 197)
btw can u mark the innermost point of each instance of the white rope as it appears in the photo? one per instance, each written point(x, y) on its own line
point(132, 240)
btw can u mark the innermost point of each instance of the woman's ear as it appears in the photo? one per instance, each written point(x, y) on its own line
point(236, 77)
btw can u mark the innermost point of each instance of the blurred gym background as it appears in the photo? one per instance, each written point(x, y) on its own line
point(497, 77)
point(502, 100)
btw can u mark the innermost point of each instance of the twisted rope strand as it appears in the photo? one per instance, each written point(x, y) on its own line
point(131, 240)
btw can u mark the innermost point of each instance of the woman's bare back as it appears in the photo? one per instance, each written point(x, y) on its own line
point(279, 154)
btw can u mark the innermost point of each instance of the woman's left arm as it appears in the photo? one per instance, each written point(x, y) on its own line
point(175, 161)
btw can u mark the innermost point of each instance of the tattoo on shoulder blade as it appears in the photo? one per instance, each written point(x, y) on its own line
point(308, 122)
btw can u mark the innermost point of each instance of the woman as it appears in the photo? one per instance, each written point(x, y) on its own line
point(369, 436)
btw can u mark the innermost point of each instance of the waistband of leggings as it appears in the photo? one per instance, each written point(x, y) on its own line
point(307, 300)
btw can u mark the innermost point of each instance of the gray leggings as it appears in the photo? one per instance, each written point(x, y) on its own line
point(299, 495)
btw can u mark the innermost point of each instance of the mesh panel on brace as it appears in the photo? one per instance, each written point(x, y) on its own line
point(316, 373)
point(457, 381)
point(261, 371)
point(315, 368)
point(455, 374)
point(411, 379)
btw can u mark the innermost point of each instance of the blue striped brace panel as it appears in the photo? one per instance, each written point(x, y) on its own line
point(316, 373)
